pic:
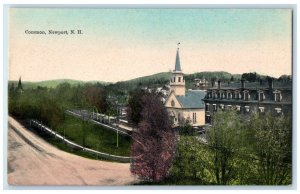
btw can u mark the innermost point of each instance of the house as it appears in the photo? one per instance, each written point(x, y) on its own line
point(184, 105)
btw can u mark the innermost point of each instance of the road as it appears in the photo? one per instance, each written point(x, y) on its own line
point(33, 161)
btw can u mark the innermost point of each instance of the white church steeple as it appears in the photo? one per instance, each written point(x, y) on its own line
point(177, 82)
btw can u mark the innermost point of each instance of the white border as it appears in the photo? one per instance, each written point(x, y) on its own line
point(162, 3)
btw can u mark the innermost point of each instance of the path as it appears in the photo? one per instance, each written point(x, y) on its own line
point(33, 161)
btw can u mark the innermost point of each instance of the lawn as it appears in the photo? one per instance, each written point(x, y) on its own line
point(96, 137)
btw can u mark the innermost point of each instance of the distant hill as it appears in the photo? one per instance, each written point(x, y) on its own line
point(151, 81)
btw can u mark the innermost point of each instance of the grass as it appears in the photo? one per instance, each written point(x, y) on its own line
point(97, 138)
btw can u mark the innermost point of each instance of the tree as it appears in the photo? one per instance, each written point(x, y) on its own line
point(271, 139)
point(225, 139)
point(135, 106)
point(190, 164)
point(153, 142)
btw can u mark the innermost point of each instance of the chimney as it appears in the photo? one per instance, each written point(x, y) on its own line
point(242, 83)
point(270, 81)
point(219, 84)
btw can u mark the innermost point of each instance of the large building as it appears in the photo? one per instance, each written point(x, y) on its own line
point(184, 105)
point(247, 98)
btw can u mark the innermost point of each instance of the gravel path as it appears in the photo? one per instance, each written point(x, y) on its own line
point(33, 161)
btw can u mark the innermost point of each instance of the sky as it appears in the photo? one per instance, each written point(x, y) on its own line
point(122, 44)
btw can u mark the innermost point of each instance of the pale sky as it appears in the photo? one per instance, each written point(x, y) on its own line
point(121, 44)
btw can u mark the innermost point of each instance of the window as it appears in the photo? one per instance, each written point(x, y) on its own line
point(223, 96)
point(207, 107)
point(238, 108)
point(277, 96)
point(237, 95)
point(194, 117)
point(229, 95)
point(215, 107)
point(174, 79)
point(247, 109)
point(179, 79)
point(261, 109)
point(246, 95)
point(261, 95)
point(172, 103)
point(278, 110)
point(222, 106)
point(208, 119)
point(214, 94)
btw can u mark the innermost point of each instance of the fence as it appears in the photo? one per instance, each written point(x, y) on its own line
point(120, 130)
point(47, 130)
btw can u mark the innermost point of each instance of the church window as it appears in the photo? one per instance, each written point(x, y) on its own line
point(194, 117)
point(172, 103)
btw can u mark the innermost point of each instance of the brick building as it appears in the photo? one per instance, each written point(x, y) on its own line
point(270, 96)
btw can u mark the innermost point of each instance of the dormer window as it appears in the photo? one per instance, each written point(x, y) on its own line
point(223, 96)
point(246, 95)
point(261, 95)
point(214, 94)
point(237, 94)
point(277, 96)
point(229, 96)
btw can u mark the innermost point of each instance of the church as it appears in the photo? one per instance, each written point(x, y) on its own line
point(184, 105)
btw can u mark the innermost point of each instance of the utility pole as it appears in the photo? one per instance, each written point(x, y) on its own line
point(117, 125)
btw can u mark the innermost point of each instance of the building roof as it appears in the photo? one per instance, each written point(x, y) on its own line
point(253, 85)
point(177, 62)
point(192, 99)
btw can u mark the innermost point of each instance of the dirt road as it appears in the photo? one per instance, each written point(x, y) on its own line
point(33, 161)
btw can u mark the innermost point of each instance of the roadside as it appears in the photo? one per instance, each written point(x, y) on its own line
point(36, 162)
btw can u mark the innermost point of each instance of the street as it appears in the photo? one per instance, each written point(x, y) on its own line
point(33, 161)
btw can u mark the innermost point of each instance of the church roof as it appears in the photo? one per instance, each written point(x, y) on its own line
point(177, 62)
point(192, 99)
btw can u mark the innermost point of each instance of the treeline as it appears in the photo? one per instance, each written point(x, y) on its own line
point(237, 152)
point(48, 104)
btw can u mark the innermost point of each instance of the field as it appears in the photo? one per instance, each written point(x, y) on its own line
point(96, 137)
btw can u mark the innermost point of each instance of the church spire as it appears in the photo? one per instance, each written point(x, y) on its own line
point(177, 62)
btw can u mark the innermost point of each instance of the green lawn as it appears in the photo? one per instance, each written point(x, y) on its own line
point(97, 137)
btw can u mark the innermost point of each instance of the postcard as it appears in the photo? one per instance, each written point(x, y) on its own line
point(150, 96)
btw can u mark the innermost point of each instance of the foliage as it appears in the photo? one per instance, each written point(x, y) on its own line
point(225, 138)
point(135, 106)
point(191, 162)
point(271, 140)
point(153, 142)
